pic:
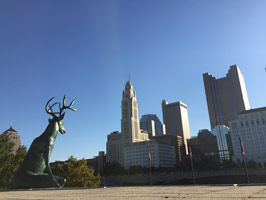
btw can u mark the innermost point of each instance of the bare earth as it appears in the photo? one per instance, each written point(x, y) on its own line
point(141, 192)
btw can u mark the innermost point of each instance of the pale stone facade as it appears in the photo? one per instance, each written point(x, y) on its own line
point(114, 148)
point(250, 126)
point(130, 128)
point(137, 154)
point(14, 137)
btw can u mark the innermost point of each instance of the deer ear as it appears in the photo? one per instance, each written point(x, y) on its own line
point(62, 116)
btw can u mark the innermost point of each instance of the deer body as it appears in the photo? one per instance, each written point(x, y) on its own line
point(38, 148)
point(35, 171)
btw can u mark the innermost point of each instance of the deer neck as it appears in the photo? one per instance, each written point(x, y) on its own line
point(52, 129)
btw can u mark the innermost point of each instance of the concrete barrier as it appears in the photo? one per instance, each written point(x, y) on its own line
point(202, 177)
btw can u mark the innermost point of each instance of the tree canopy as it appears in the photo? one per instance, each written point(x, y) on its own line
point(8, 161)
point(77, 174)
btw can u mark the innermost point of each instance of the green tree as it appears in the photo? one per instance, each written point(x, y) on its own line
point(9, 162)
point(77, 173)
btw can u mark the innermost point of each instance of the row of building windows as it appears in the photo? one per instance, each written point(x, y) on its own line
point(252, 122)
point(165, 151)
point(137, 161)
point(249, 123)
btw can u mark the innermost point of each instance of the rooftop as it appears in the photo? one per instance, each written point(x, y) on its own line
point(253, 110)
point(10, 130)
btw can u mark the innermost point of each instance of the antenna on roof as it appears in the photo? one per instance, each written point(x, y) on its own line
point(11, 123)
point(129, 77)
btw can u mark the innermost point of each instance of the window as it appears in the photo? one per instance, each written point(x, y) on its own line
point(252, 122)
point(234, 126)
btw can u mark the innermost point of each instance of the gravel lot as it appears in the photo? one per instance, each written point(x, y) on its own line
point(141, 192)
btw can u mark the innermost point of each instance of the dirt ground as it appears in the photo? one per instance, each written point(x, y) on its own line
point(141, 192)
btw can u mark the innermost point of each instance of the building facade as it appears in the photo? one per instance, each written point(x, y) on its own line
point(114, 148)
point(204, 144)
point(216, 143)
point(175, 118)
point(176, 142)
point(221, 132)
point(226, 97)
point(97, 163)
point(194, 146)
point(208, 143)
point(250, 127)
point(14, 137)
point(130, 127)
point(152, 124)
point(130, 120)
point(137, 154)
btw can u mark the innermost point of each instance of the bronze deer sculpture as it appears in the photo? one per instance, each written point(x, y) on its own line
point(35, 171)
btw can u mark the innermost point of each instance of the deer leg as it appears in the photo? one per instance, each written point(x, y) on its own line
point(29, 180)
point(43, 180)
point(60, 180)
point(49, 171)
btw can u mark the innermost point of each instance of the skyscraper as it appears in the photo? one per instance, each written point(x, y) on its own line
point(226, 97)
point(130, 128)
point(131, 146)
point(175, 118)
point(130, 119)
point(152, 124)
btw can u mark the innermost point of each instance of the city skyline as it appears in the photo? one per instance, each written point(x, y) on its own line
point(87, 49)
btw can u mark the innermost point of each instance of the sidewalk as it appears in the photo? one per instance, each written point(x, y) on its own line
point(141, 192)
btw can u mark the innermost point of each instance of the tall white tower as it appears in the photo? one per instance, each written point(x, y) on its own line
point(130, 127)
point(130, 120)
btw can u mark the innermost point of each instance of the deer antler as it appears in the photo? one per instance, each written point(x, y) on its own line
point(66, 107)
point(50, 110)
point(61, 115)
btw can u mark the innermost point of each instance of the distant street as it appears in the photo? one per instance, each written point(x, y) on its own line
point(146, 192)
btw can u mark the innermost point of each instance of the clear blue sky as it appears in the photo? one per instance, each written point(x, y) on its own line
point(87, 49)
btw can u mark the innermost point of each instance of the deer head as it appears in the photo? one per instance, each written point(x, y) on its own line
point(61, 114)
